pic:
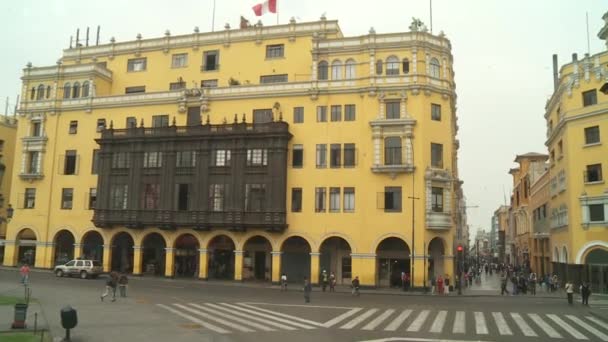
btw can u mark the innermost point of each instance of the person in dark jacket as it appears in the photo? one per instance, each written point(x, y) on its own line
point(122, 285)
point(585, 293)
point(355, 285)
point(111, 284)
point(307, 290)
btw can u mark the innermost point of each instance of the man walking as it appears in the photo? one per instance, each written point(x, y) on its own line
point(111, 284)
point(569, 291)
point(307, 290)
point(503, 284)
point(122, 285)
point(324, 279)
point(355, 284)
point(585, 293)
point(284, 282)
point(332, 282)
point(532, 283)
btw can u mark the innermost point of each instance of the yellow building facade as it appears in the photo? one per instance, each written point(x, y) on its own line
point(372, 120)
point(540, 251)
point(8, 134)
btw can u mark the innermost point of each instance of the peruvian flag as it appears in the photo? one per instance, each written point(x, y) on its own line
point(265, 7)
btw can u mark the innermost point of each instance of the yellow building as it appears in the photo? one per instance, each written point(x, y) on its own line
point(351, 128)
point(501, 220)
point(540, 251)
point(8, 134)
point(577, 128)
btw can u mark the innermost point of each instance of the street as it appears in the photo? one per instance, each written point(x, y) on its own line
point(159, 309)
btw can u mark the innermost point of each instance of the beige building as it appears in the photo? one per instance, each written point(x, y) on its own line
point(8, 133)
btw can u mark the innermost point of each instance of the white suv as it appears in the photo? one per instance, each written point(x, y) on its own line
point(82, 268)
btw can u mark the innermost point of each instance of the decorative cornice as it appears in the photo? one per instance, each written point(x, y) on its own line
point(363, 255)
point(277, 253)
point(567, 119)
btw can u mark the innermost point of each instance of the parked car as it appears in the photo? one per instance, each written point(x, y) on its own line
point(82, 268)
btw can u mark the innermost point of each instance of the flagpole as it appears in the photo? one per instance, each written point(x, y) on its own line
point(213, 18)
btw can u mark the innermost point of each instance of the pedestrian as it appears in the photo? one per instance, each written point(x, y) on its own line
point(122, 285)
point(515, 284)
point(403, 281)
point(551, 286)
point(332, 282)
point(569, 291)
point(440, 285)
point(585, 292)
point(111, 284)
point(433, 283)
point(555, 282)
point(503, 284)
point(407, 282)
point(355, 285)
point(307, 290)
point(283, 282)
point(325, 280)
point(25, 273)
point(532, 283)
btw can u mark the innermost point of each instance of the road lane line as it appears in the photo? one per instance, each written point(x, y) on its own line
point(480, 324)
point(396, 323)
point(419, 321)
point(195, 320)
point(544, 325)
point(340, 318)
point(459, 323)
point(252, 317)
point(301, 305)
point(231, 317)
point(359, 319)
point(597, 321)
point(378, 320)
point(213, 318)
point(439, 322)
point(588, 327)
point(501, 324)
point(523, 326)
point(261, 314)
point(317, 324)
point(570, 329)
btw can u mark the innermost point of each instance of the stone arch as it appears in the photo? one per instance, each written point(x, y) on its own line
point(221, 249)
point(26, 241)
point(92, 243)
point(257, 257)
point(311, 242)
point(393, 258)
point(121, 256)
point(339, 235)
point(588, 247)
point(63, 243)
point(153, 252)
point(382, 237)
point(212, 236)
point(243, 240)
point(436, 253)
point(186, 255)
point(335, 257)
point(564, 254)
point(295, 257)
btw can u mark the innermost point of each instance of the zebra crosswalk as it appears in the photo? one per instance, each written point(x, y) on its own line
point(225, 318)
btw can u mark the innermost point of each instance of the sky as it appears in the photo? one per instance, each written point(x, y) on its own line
point(502, 58)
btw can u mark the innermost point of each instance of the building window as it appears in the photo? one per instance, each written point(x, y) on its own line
point(118, 196)
point(73, 127)
point(183, 196)
point(92, 198)
point(592, 135)
point(406, 66)
point(217, 196)
point(33, 163)
point(349, 200)
point(392, 109)
point(211, 60)
point(594, 173)
point(436, 155)
point(85, 88)
point(209, 84)
point(160, 121)
point(177, 85)
point(350, 69)
point(70, 162)
point(67, 90)
point(95, 162)
point(321, 113)
point(282, 78)
point(185, 159)
point(350, 112)
point(334, 200)
point(320, 200)
point(29, 198)
point(36, 128)
point(379, 67)
point(48, 91)
point(589, 97)
point(336, 113)
point(153, 159)
point(135, 90)
point(40, 92)
point(257, 157)
point(434, 68)
point(255, 197)
point(596, 213)
point(392, 199)
point(67, 198)
point(298, 114)
point(560, 148)
point(179, 60)
point(335, 155)
point(322, 71)
point(262, 115)
point(297, 160)
point(296, 200)
point(221, 158)
point(137, 64)
point(275, 51)
point(437, 199)
point(435, 112)
point(121, 160)
point(321, 156)
point(131, 122)
point(101, 125)
point(336, 70)
point(392, 151)
point(33, 93)
point(392, 66)
point(349, 155)
point(76, 90)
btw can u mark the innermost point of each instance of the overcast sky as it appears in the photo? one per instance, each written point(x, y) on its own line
point(502, 57)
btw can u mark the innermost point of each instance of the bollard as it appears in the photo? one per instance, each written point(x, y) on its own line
point(35, 322)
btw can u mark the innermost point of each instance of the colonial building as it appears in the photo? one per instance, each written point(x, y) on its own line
point(8, 134)
point(243, 154)
point(501, 220)
point(540, 251)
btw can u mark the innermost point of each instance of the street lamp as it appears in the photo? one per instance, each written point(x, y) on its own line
point(460, 269)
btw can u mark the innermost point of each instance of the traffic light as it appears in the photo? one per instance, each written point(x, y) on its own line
point(459, 248)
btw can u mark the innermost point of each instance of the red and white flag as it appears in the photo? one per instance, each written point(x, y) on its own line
point(265, 7)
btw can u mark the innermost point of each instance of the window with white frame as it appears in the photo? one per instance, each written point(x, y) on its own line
point(336, 70)
point(217, 196)
point(118, 196)
point(392, 66)
point(137, 64)
point(350, 68)
point(322, 71)
point(179, 60)
point(349, 200)
point(221, 158)
point(334, 200)
point(257, 157)
point(434, 68)
point(153, 159)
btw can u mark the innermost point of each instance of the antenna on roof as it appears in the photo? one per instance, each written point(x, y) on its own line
point(77, 37)
point(97, 42)
point(87, 36)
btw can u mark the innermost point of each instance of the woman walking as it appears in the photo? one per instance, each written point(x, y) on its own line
point(569, 291)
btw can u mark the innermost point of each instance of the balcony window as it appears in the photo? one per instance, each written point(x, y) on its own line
point(29, 198)
point(257, 157)
point(67, 198)
point(177, 85)
point(437, 199)
point(392, 151)
point(131, 122)
point(121, 160)
point(335, 155)
point(323, 71)
point(92, 198)
point(350, 68)
point(36, 128)
point(334, 200)
point(33, 162)
point(209, 83)
point(392, 66)
point(436, 155)
point(589, 97)
point(275, 51)
point(179, 60)
point(392, 109)
point(296, 200)
point(592, 135)
point(86, 88)
point(217, 196)
point(320, 200)
point(321, 156)
point(137, 64)
point(153, 159)
point(282, 78)
point(183, 196)
point(298, 114)
point(594, 173)
point(40, 92)
point(221, 158)
point(160, 121)
point(211, 60)
point(434, 68)
point(336, 70)
point(255, 197)
point(76, 90)
point(297, 160)
point(392, 199)
point(262, 115)
point(118, 196)
point(349, 200)
point(185, 159)
point(67, 90)
point(135, 90)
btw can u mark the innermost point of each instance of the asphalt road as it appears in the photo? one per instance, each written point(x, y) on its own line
point(159, 309)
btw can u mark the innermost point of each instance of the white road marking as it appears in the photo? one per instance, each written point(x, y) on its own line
point(300, 325)
point(543, 325)
point(376, 322)
point(195, 320)
point(419, 321)
point(396, 323)
point(417, 339)
point(598, 322)
point(459, 323)
point(233, 318)
point(359, 319)
point(523, 326)
point(588, 327)
point(342, 317)
point(213, 318)
point(480, 324)
point(439, 322)
point(283, 315)
point(570, 329)
point(501, 324)
point(252, 317)
point(301, 305)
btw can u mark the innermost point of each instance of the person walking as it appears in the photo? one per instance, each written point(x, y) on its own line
point(569, 291)
point(122, 285)
point(440, 285)
point(585, 293)
point(503, 284)
point(307, 290)
point(111, 284)
point(355, 285)
point(325, 280)
point(283, 282)
point(25, 273)
point(332, 282)
point(403, 281)
point(532, 283)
